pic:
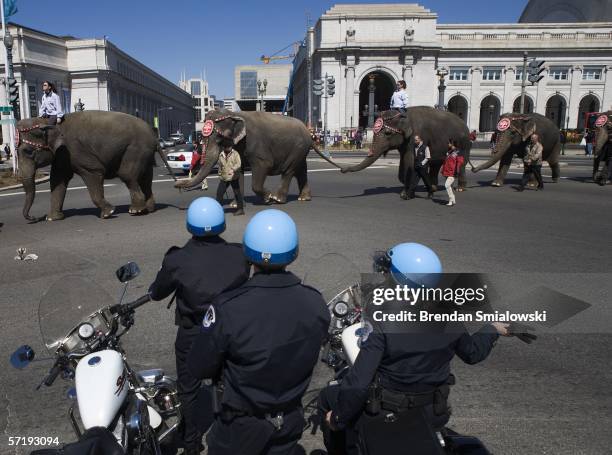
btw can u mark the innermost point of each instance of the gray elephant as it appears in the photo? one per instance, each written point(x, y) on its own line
point(271, 144)
point(96, 145)
point(513, 134)
point(603, 146)
point(395, 130)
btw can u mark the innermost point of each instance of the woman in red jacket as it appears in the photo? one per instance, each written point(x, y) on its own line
point(197, 159)
point(450, 170)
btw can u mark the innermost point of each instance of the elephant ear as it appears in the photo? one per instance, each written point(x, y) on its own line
point(239, 129)
point(529, 127)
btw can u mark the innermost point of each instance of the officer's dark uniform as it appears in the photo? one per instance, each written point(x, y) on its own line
point(198, 272)
point(262, 341)
point(413, 370)
point(419, 171)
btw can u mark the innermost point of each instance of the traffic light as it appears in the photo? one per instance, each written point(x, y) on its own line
point(331, 86)
point(535, 71)
point(317, 86)
point(13, 91)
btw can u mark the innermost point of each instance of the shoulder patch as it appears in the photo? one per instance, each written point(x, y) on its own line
point(363, 333)
point(210, 317)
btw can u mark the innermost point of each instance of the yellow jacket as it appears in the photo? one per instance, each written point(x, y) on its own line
point(229, 164)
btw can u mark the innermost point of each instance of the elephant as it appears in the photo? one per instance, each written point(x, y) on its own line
point(396, 130)
point(603, 145)
point(96, 145)
point(513, 134)
point(271, 144)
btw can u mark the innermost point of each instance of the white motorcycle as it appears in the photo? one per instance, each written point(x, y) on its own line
point(122, 410)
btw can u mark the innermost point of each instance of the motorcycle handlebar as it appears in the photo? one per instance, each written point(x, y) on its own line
point(53, 373)
point(130, 306)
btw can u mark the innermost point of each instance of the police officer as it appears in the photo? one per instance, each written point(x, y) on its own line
point(199, 271)
point(262, 341)
point(395, 395)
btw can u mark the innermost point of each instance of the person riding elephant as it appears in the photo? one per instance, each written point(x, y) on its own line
point(603, 148)
point(271, 144)
point(96, 145)
point(513, 135)
point(396, 130)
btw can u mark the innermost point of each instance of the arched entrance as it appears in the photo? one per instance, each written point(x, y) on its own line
point(490, 110)
point(555, 110)
point(379, 87)
point(589, 103)
point(458, 105)
point(516, 107)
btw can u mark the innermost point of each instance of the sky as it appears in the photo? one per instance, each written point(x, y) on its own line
point(202, 35)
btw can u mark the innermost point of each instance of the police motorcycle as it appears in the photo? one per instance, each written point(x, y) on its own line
point(348, 328)
point(121, 411)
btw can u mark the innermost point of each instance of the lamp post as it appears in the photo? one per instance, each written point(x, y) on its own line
point(491, 109)
point(442, 72)
point(261, 91)
point(79, 106)
point(156, 121)
point(371, 96)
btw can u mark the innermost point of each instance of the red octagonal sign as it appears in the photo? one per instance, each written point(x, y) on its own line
point(207, 128)
point(503, 124)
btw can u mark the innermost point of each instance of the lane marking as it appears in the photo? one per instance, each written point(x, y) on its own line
point(213, 177)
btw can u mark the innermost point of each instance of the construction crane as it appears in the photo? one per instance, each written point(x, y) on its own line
point(266, 59)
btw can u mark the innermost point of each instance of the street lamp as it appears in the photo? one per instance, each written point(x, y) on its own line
point(441, 72)
point(79, 106)
point(156, 120)
point(261, 90)
point(491, 109)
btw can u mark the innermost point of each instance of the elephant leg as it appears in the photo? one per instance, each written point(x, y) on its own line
point(434, 172)
point(302, 178)
point(401, 176)
point(95, 186)
point(595, 167)
point(280, 195)
point(502, 171)
point(146, 183)
point(258, 181)
point(59, 184)
point(553, 162)
point(408, 176)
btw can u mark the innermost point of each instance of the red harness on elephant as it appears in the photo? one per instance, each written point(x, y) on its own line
point(380, 124)
point(207, 130)
point(19, 139)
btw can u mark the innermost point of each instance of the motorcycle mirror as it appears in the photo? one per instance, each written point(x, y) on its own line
point(128, 272)
point(22, 357)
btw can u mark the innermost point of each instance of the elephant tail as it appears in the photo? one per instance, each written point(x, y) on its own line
point(165, 161)
point(326, 158)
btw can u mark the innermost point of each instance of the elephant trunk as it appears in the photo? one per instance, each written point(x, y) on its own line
point(29, 187)
point(603, 136)
point(500, 149)
point(368, 161)
point(201, 175)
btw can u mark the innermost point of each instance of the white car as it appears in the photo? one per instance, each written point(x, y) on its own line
point(180, 161)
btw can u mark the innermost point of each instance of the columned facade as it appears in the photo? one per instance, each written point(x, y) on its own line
point(368, 48)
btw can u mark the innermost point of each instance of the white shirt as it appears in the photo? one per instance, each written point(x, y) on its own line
point(399, 99)
point(50, 105)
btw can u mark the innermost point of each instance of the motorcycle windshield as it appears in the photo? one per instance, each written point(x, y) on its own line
point(70, 301)
point(331, 274)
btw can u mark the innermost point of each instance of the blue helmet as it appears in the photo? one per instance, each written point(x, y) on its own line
point(414, 264)
point(271, 239)
point(205, 217)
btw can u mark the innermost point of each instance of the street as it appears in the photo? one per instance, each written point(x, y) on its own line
point(548, 397)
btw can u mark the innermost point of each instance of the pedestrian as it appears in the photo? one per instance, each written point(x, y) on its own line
point(399, 99)
point(359, 138)
point(230, 174)
point(396, 394)
point(50, 105)
point(422, 155)
point(588, 139)
point(199, 271)
point(262, 342)
point(451, 169)
point(473, 136)
point(532, 162)
point(198, 157)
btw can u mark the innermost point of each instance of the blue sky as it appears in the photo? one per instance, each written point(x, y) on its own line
point(194, 35)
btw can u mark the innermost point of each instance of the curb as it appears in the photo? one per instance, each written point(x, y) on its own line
point(16, 187)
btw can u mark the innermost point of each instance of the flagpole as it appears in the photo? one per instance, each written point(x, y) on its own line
point(7, 103)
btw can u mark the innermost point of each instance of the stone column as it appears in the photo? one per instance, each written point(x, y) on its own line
point(474, 120)
point(606, 103)
point(508, 101)
point(573, 98)
point(407, 75)
point(349, 90)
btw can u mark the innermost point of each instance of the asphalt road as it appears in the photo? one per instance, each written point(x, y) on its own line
point(551, 397)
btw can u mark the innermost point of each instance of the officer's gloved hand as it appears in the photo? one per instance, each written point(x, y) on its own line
point(521, 331)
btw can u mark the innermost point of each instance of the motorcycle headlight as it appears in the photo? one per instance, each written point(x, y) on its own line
point(86, 331)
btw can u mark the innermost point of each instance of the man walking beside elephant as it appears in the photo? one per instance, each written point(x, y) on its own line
point(533, 163)
point(422, 155)
point(230, 174)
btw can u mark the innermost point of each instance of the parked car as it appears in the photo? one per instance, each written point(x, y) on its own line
point(180, 161)
point(169, 142)
point(178, 138)
point(162, 143)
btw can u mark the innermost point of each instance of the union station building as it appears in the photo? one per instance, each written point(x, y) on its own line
point(367, 48)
